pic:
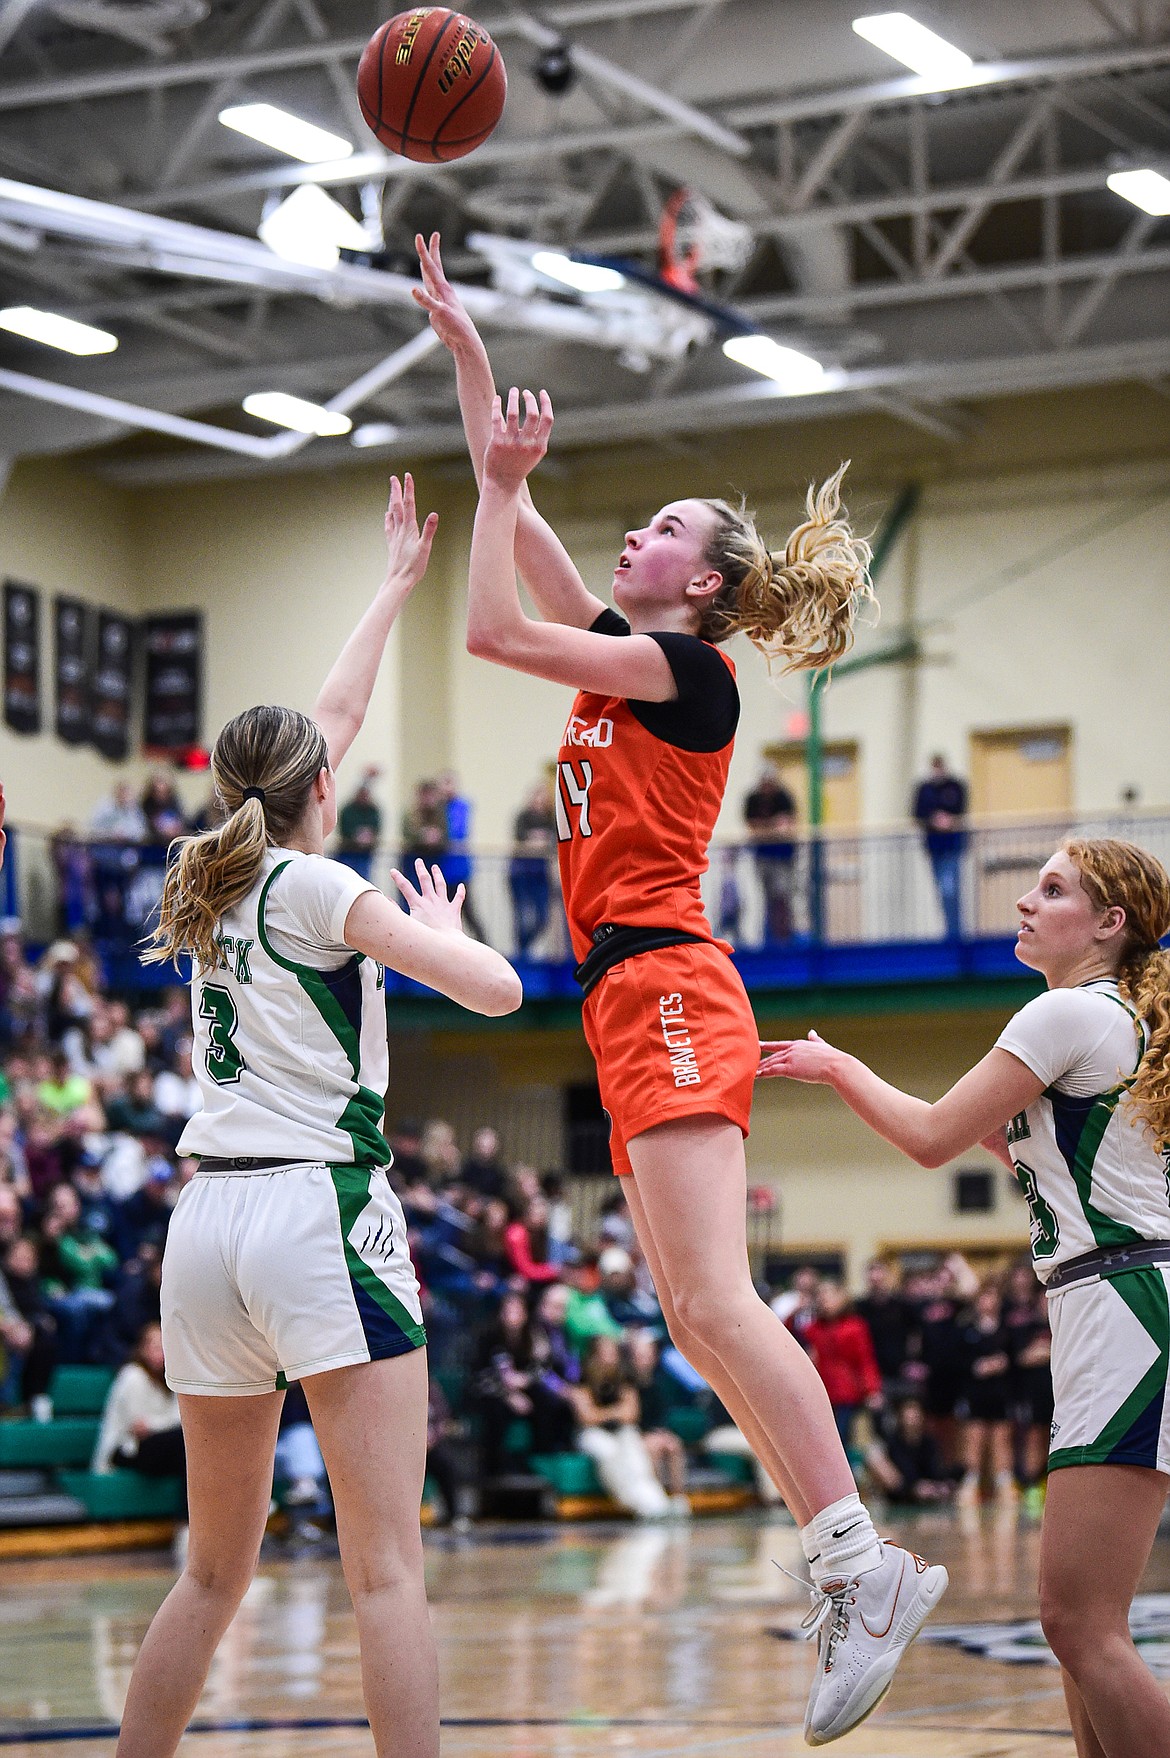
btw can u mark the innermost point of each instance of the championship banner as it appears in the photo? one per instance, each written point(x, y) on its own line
point(22, 657)
point(110, 721)
point(173, 646)
point(73, 665)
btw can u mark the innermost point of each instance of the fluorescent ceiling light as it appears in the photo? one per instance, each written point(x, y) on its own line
point(797, 374)
point(295, 412)
point(286, 133)
point(586, 277)
point(1146, 189)
point(310, 227)
point(909, 42)
point(374, 433)
point(56, 331)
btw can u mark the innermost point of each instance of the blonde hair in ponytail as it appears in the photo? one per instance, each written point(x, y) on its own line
point(1120, 873)
point(276, 750)
point(801, 605)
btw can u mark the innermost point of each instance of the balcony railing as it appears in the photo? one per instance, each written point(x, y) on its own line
point(864, 902)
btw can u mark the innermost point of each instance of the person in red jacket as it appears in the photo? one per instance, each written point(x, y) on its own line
point(526, 1243)
point(840, 1344)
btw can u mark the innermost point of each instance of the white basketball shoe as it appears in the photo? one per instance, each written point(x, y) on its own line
point(863, 1625)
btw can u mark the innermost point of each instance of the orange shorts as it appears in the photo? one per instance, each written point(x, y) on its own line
point(673, 1035)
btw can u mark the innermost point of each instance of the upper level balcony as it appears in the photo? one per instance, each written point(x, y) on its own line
point(865, 914)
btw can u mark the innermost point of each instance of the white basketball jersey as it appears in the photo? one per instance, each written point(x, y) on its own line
point(290, 1050)
point(1088, 1168)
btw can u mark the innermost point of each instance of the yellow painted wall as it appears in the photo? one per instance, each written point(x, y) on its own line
point(67, 533)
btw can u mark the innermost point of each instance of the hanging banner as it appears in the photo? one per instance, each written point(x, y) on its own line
point(173, 648)
point(73, 664)
point(110, 721)
point(22, 657)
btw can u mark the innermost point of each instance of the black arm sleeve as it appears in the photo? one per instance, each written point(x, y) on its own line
point(705, 713)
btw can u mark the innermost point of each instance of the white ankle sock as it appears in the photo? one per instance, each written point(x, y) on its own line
point(841, 1540)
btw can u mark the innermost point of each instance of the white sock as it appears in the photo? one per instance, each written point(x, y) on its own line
point(841, 1540)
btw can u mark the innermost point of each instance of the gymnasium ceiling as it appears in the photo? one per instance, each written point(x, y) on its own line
point(930, 249)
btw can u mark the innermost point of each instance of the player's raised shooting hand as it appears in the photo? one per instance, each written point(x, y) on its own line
point(807, 1059)
point(429, 901)
point(517, 444)
point(408, 550)
point(443, 306)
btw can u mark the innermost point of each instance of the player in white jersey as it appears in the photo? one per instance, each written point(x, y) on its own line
point(1075, 1097)
point(286, 1256)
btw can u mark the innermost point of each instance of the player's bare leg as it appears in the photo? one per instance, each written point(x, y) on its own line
point(1099, 1527)
point(230, 1444)
point(371, 1422)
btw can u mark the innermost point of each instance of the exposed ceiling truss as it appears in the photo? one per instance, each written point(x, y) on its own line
point(929, 248)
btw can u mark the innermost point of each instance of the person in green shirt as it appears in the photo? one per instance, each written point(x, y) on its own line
point(359, 826)
point(76, 1262)
point(586, 1314)
point(63, 1092)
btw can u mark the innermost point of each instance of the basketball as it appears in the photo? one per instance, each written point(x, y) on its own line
point(431, 84)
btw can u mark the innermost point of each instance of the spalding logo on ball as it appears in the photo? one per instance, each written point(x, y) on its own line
point(431, 84)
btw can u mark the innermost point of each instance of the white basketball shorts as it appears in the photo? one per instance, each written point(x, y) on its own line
point(1110, 1356)
point(271, 1276)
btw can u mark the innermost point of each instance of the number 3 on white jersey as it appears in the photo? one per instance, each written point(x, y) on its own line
point(576, 793)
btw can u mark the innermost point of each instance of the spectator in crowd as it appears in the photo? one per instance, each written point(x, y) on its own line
point(424, 827)
point(439, 1150)
point(586, 1314)
point(889, 1321)
point(77, 1265)
point(527, 1244)
point(119, 818)
point(625, 1302)
point(511, 1385)
point(560, 1215)
point(904, 1459)
point(298, 1461)
point(456, 862)
point(1025, 1320)
point(656, 1393)
point(533, 846)
point(140, 1423)
point(616, 1225)
point(359, 826)
point(940, 1367)
point(444, 1461)
point(940, 808)
point(65, 997)
point(405, 1138)
point(19, 994)
point(62, 1091)
point(609, 1416)
point(135, 1110)
point(839, 1342)
point(74, 869)
point(769, 813)
point(484, 1170)
point(31, 1351)
point(984, 1406)
point(796, 1305)
point(162, 810)
point(175, 1090)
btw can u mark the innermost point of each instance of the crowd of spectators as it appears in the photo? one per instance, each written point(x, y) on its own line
point(546, 1334)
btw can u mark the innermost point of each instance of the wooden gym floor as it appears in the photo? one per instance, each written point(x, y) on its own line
point(556, 1643)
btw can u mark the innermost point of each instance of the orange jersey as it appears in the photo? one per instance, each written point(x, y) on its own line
point(634, 812)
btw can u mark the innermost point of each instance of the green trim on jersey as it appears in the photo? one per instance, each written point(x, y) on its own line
point(352, 1187)
point(1106, 1231)
point(363, 1114)
point(1144, 1292)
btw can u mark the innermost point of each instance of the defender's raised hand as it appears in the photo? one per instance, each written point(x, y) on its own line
point(428, 900)
point(408, 550)
point(517, 444)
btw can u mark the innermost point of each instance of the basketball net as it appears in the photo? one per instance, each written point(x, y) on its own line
point(695, 239)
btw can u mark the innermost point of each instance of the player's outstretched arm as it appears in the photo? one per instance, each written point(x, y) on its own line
point(977, 1107)
point(546, 568)
point(345, 695)
point(429, 944)
point(497, 627)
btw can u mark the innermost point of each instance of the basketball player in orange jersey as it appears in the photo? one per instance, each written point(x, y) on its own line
point(641, 776)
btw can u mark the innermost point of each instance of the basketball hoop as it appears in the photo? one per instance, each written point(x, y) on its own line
point(695, 240)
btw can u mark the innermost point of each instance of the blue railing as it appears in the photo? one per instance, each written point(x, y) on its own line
point(864, 906)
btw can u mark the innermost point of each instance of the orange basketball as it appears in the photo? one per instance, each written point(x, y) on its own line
point(431, 84)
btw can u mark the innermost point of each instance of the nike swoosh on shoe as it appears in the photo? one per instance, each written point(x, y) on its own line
point(893, 1606)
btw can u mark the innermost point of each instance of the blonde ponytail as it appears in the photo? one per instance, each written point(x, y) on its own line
point(801, 605)
point(1119, 873)
point(264, 765)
